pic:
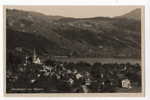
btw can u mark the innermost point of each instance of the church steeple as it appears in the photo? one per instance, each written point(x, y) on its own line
point(36, 59)
point(34, 56)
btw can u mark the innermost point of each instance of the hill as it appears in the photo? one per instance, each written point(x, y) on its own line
point(77, 37)
point(135, 14)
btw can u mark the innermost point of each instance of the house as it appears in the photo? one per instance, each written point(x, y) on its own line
point(126, 83)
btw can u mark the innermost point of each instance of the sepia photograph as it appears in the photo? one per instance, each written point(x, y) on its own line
point(74, 50)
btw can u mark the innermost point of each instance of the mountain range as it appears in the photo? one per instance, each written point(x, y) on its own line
point(76, 37)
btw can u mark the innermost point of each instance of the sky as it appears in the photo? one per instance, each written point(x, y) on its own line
point(78, 11)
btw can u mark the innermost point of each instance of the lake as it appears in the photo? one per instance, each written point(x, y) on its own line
point(101, 60)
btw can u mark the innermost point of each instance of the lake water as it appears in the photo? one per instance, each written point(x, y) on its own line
point(101, 60)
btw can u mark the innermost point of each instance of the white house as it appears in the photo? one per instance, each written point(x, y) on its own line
point(126, 83)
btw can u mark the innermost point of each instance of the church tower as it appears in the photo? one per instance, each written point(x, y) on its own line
point(34, 56)
point(36, 59)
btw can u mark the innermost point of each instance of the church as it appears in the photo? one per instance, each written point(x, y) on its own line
point(36, 59)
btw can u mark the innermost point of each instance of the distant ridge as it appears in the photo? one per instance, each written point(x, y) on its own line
point(135, 14)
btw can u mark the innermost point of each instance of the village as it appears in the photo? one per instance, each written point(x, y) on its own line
point(50, 76)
